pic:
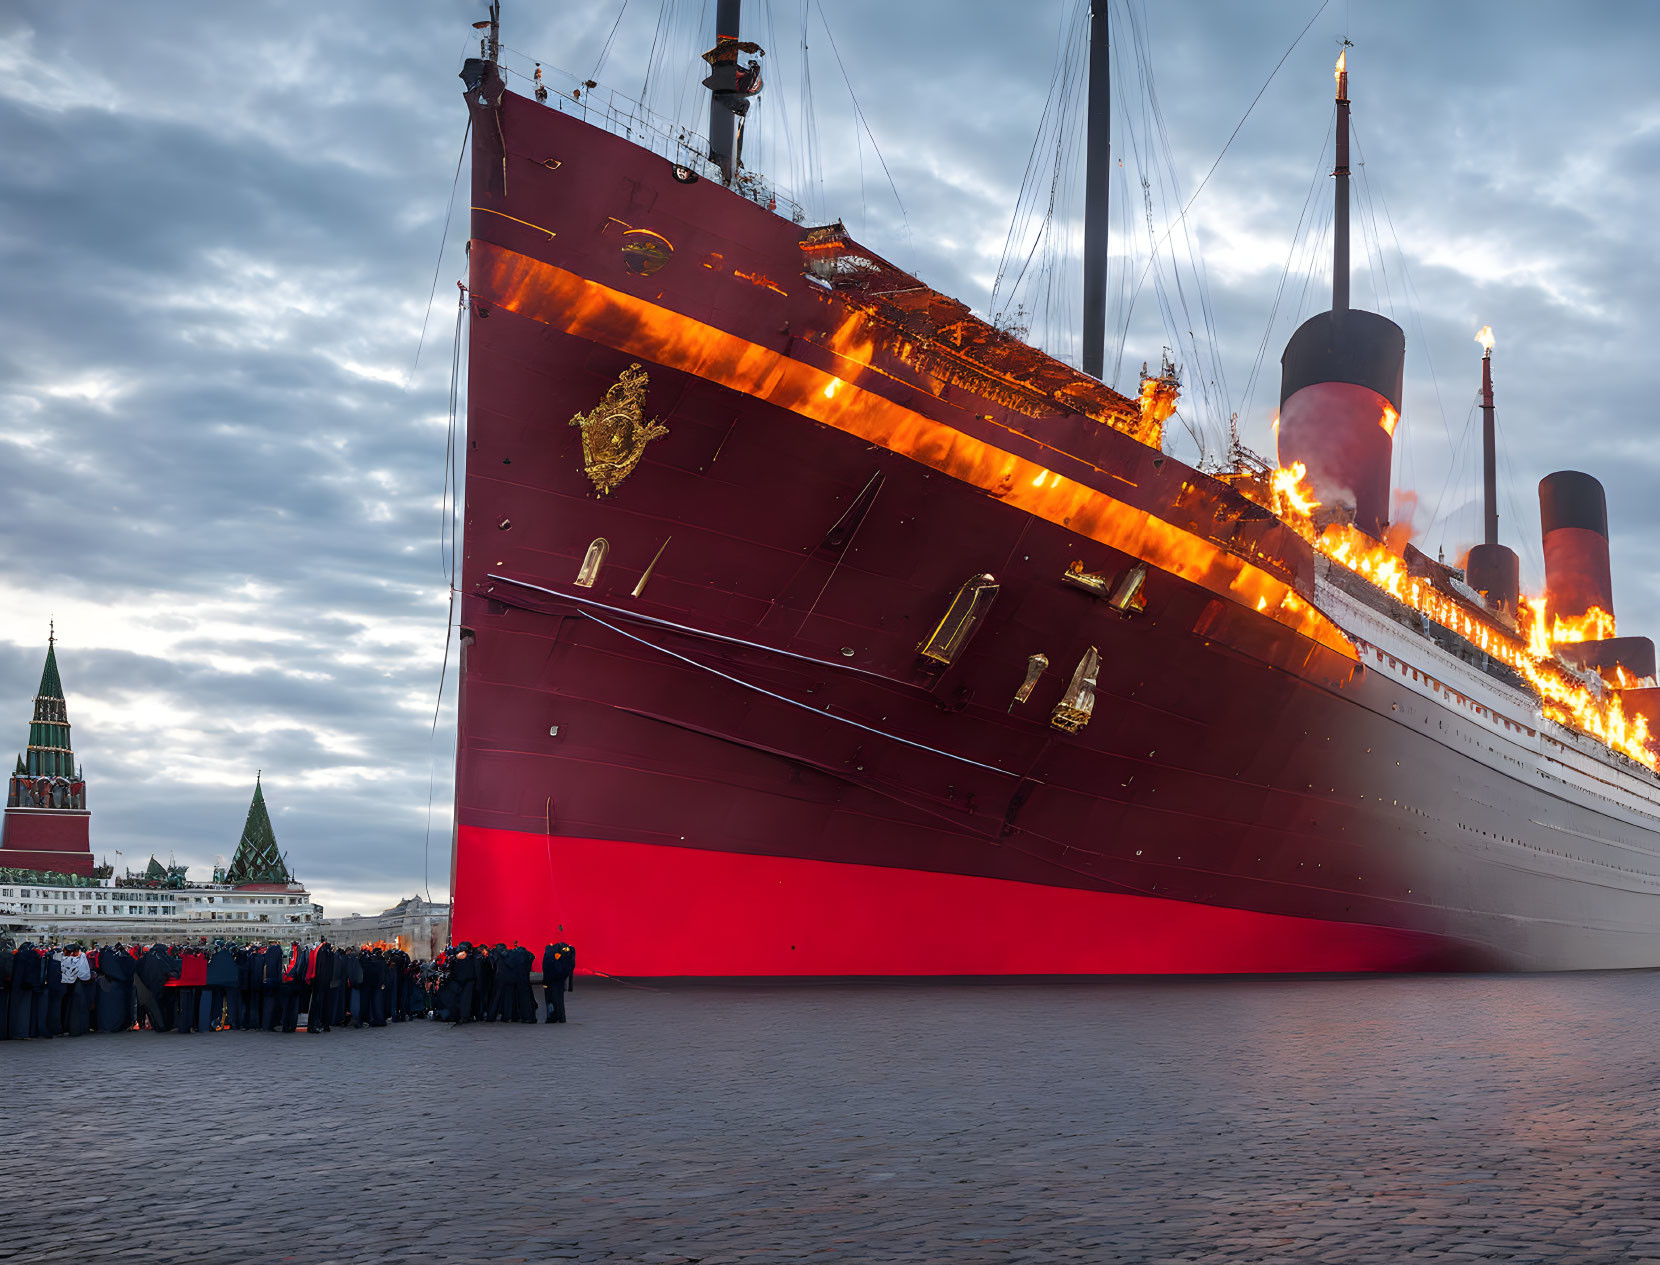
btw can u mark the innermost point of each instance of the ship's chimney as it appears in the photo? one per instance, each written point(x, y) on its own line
point(1573, 520)
point(1340, 378)
point(1493, 569)
point(1573, 517)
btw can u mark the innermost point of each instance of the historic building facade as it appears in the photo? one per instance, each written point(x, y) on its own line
point(256, 897)
point(421, 928)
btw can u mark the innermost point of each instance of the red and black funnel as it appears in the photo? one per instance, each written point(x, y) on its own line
point(1340, 381)
point(1573, 520)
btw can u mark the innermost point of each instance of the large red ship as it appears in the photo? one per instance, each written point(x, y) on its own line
point(813, 626)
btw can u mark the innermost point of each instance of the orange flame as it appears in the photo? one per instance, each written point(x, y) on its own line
point(1342, 65)
point(1158, 399)
point(1563, 697)
point(1595, 624)
point(1388, 420)
point(1292, 500)
point(1485, 338)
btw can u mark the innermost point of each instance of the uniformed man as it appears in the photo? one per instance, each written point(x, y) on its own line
point(463, 979)
point(558, 978)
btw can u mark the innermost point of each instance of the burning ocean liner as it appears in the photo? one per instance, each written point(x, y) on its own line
point(812, 626)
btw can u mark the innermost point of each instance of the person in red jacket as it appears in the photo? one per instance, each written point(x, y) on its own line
point(187, 1000)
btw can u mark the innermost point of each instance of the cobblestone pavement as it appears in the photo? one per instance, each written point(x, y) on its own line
point(1373, 1119)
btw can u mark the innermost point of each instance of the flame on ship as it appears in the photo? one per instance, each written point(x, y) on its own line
point(1563, 697)
point(1158, 400)
point(1342, 65)
point(1388, 420)
point(1291, 498)
point(1595, 624)
point(1485, 338)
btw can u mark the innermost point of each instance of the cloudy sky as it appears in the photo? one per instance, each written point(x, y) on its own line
point(222, 473)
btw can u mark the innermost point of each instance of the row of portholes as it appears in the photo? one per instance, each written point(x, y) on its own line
point(1566, 856)
point(1407, 671)
point(1595, 794)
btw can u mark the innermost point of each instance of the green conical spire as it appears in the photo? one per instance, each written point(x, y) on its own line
point(50, 753)
point(50, 684)
point(257, 859)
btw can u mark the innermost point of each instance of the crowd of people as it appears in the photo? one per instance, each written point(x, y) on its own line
point(68, 991)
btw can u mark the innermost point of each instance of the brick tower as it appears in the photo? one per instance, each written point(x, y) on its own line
point(47, 825)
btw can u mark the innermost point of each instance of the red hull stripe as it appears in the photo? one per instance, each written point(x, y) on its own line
point(644, 910)
point(552, 296)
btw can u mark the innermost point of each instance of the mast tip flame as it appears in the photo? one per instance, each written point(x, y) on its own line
point(1485, 338)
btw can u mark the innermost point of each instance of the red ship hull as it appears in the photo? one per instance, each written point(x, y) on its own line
point(725, 757)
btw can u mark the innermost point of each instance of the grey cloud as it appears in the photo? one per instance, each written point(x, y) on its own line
point(208, 214)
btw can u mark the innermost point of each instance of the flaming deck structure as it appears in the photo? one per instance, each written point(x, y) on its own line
point(812, 626)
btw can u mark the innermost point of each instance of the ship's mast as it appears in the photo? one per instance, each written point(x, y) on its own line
point(723, 87)
point(1489, 448)
point(491, 50)
point(1097, 188)
point(1340, 176)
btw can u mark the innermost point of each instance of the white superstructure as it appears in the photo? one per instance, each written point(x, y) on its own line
point(100, 911)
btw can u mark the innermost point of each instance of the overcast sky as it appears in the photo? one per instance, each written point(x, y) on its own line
point(219, 225)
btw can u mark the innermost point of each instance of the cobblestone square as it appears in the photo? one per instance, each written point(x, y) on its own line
point(1371, 1119)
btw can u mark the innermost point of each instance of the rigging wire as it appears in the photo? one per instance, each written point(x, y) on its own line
point(450, 525)
point(813, 162)
point(443, 241)
point(1285, 276)
point(1182, 214)
point(1414, 305)
point(605, 51)
point(1054, 108)
point(859, 112)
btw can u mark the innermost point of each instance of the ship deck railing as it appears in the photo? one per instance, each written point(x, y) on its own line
point(634, 121)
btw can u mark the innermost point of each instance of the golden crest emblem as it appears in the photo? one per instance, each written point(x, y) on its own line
point(614, 432)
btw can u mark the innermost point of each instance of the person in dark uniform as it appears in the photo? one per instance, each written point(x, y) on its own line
point(524, 997)
point(501, 980)
point(354, 986)
point(116, 968)
point(247, 1017)
point(154, 970)
point(51, 973)
point(337, 990)
point(320, 972)
point(397, 987)
point(270, 977)
point(292, 990)
point(6, 954)
point(27, 983)
point(484, 980)
point(558, 978)
point(463, 979)
point(224, 998)
point(373, 991)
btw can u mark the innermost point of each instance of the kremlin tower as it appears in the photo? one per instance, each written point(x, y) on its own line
point(257, 860)
point(47, 825)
